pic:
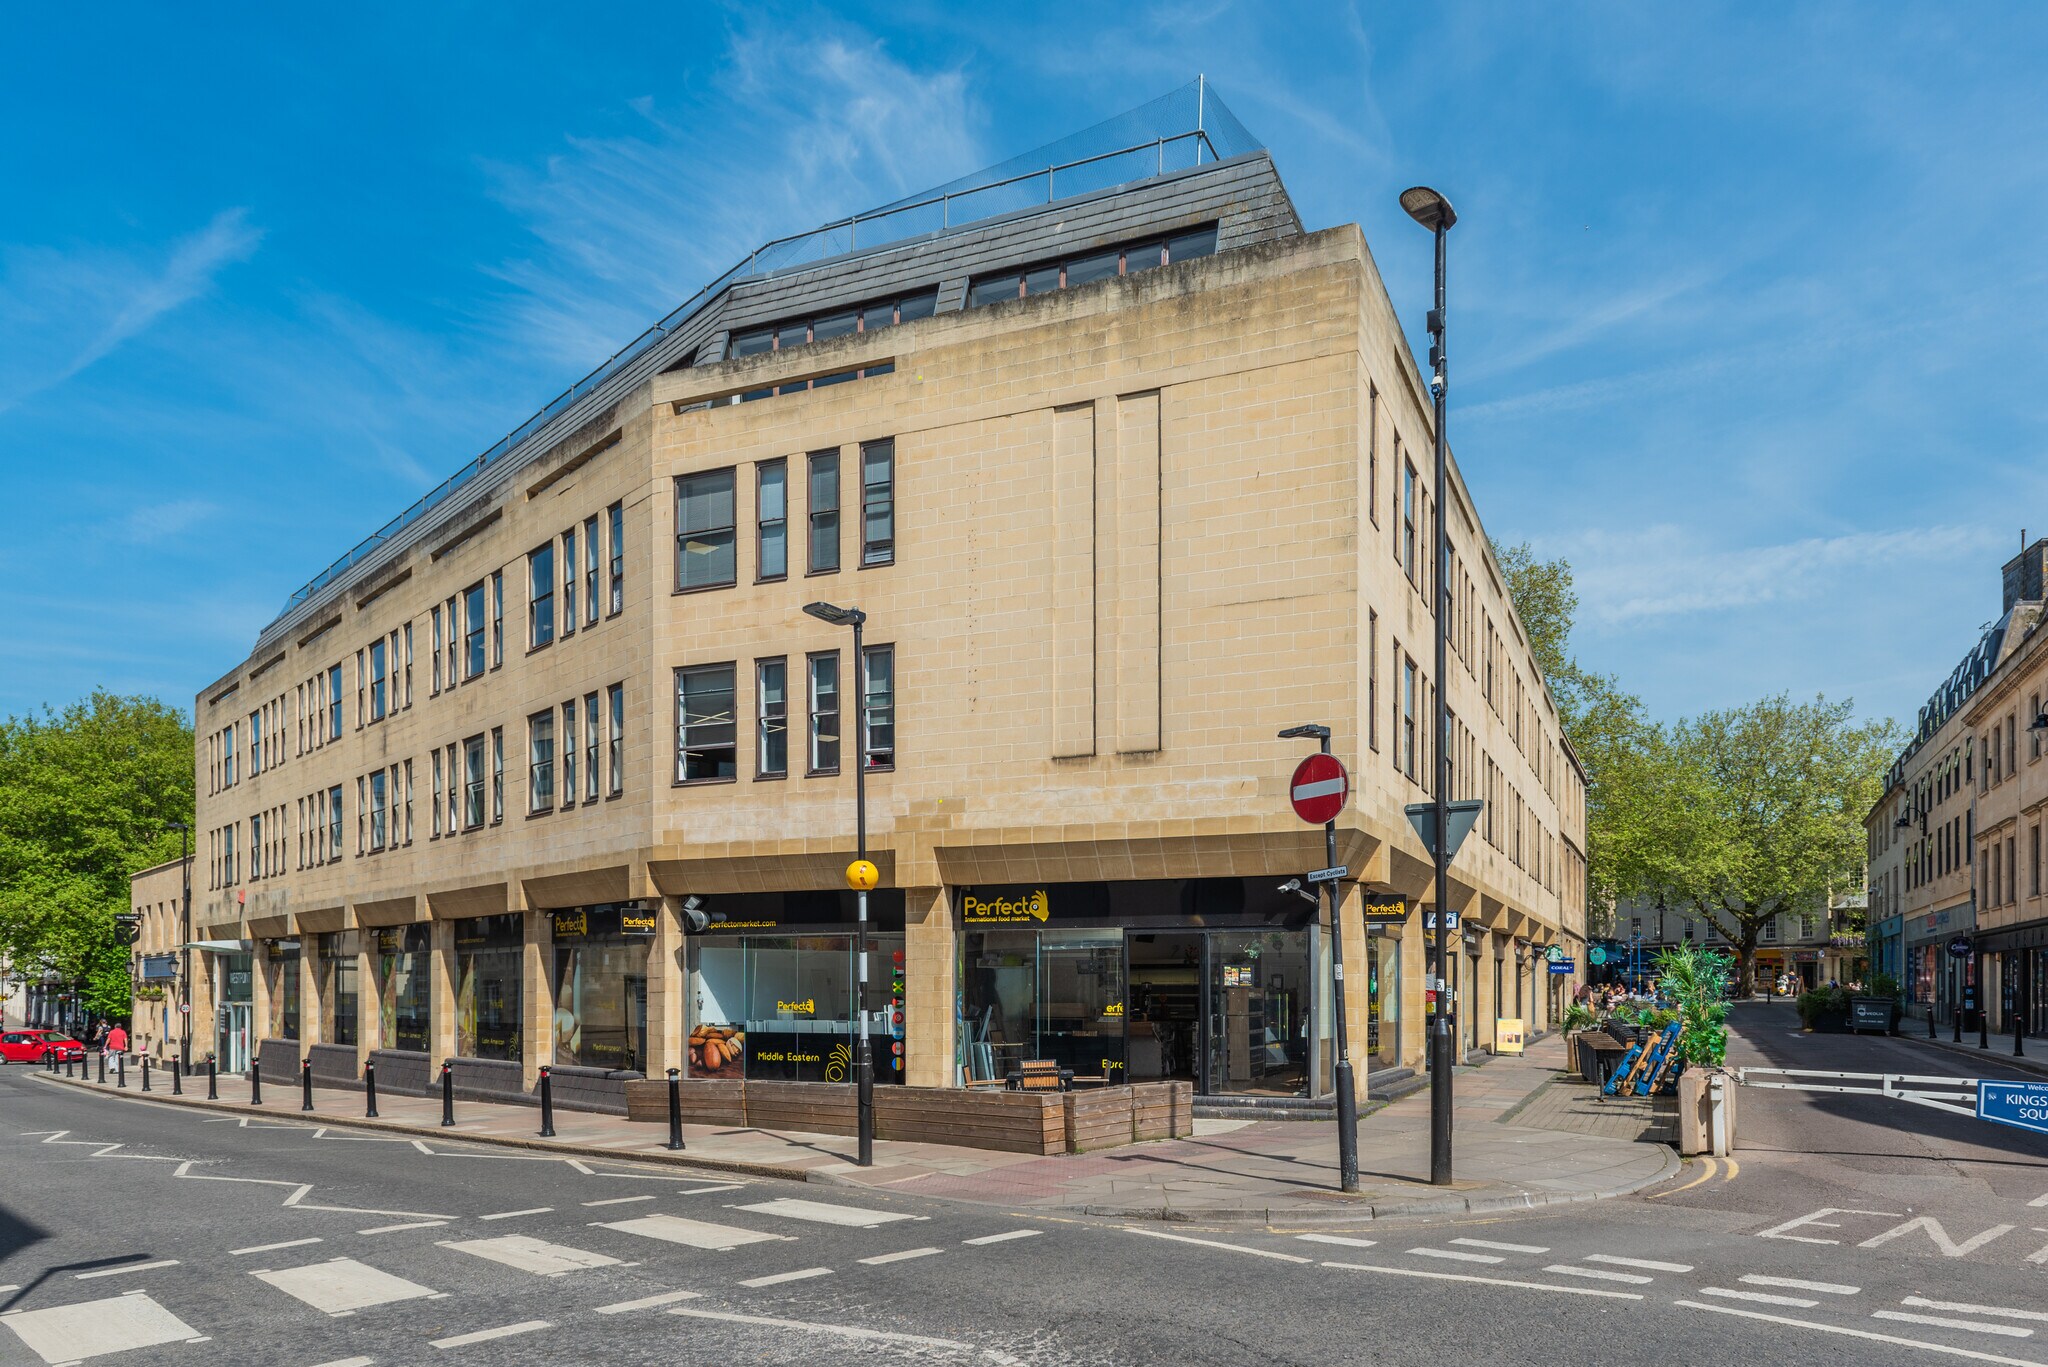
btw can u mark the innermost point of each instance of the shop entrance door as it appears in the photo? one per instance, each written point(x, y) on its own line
point(1255, 1013)
point(231, 1048)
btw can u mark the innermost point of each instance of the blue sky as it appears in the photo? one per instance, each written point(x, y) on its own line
point(1749, 301)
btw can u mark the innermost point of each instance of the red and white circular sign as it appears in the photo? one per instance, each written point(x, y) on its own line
point(1320, 789)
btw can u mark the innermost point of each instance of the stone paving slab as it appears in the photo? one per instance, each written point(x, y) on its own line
point(1264, 1171)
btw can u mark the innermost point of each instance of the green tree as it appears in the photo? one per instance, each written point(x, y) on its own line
point(87, 796)
point(1756, 811)
point(1603, 721)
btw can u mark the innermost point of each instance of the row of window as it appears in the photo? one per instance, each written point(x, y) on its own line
point(547, 616)
point(384, 676)
point(552, 752)
point(460, 627)
point(707, 716)
point(707, 518)
point(318, 713)
point(1046, 277)
point(459, 783)
point(798, 332)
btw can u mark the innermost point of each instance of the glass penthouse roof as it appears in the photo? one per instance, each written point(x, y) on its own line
point(1185, 128)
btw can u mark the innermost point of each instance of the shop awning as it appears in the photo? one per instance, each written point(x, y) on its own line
point(219, 946)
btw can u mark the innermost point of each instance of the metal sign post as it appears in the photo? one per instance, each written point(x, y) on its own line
point(1318, 791)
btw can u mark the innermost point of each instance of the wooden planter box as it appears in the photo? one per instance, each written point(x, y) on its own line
point(1162, 1110)
point(1098, 1118)
point(808, 1107)
point(1010, 1122)
point(706, 1101)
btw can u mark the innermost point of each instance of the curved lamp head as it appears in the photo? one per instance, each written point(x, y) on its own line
point(1428, 208)
point(837, 616)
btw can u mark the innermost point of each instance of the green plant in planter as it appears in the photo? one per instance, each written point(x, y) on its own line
point(1577, 1016)
point(1695, 979)
point(1883, 985)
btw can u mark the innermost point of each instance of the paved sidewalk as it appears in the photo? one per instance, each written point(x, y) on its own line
point(1231, 1171)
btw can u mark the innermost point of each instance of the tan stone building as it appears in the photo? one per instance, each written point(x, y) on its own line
point(157, 1024)
point(1125, 483)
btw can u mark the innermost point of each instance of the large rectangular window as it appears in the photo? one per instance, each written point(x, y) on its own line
point(434, 635)
point(591, 550)
point(540, 609)
point(593, 732)
point(334, 822)
point(378, 688)
point(342, 999)
point(824, 512)
point(771, 718)
point(569, 582)
point(473, 630)
point(404, 977)
point(1407, 764)
point(617, 590)
point(706, 733)
point(879, 715)
point(540, 762)
point(497, 774)
point(1408, 520)
point(472, 782)
point(434, 824)
point(377, 811)
point(771, 512)
point(569, 753)
point(490, 955)
point(615, 740)
point(878, 502)
point(333, 704)
point(824, 710)
point(704, 530)
point(497, 618)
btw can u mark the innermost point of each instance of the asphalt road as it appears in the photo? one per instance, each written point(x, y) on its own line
point(134, 1233)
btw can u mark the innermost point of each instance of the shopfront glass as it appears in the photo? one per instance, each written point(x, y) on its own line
point(283, 957)
point(405, 998)
point(1383, 997)
point(340, 994)
point(601, 986)
point(1060, 995)
point(490, 956)
point(780, 1008)
point(1258, 1013)
point(233, 1024)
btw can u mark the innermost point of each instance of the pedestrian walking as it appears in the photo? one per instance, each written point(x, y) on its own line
point(116, 1043)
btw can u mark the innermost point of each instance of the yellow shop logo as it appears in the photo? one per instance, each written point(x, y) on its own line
point(1113, 1009)
point(807, 1007)
point(1035, 907)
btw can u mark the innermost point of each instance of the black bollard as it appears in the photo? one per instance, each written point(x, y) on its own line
point(447, 1092)
point(370, 1089)
point(120, 1070)
point(675, 1108)
point(1959, 1027)
point(255, 1082)
point(1930, 1020)
point(2019, 1030)
point(212, 1080)
point(145, 1072)
point(306, 1084)
point(547, 1104)
point(1983, 1027)
point(103, 1065)
point(177, 1079)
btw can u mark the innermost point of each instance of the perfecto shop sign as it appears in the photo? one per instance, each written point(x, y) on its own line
point(1024, 909)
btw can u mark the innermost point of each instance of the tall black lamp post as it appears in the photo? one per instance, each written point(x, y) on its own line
point(861, 874)
point(1434, 212)
point(184, 947)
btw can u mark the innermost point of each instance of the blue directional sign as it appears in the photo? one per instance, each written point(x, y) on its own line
point(2023, 1105)
point(1563, 966)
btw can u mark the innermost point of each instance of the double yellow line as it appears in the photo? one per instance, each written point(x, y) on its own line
point(1713, 1170)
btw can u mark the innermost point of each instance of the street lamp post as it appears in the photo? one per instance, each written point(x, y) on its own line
point(861, 873)
point(1434, 212)
point(184, 947)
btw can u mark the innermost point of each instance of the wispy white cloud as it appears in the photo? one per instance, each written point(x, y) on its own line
point(797, 131)
point(1671, 571)
point(65, 310)
point(161, 521)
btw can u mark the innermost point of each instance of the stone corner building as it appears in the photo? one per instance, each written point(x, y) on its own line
point(1128, 473)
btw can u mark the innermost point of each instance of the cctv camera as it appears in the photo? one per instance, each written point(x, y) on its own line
point(1291, 885)
point(692, 902)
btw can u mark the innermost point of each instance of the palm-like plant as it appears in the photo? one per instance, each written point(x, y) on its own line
point(1696, 978)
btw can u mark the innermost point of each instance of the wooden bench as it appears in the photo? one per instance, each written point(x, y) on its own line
point(1040, 1075)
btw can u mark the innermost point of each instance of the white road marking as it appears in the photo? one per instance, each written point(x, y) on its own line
point(349, 1362)
point(706, 1191)
point(2041, 1200)
point(531, 1255)
point(1497, 1281)
point(618, 1201)
point(1647, 1264)
point(1844, 1330)
point(778, 1278)
point(128, 1267)
point(1004, 1238)
point(1965, 1308)
point(411, 1224)
point(1779, 1231)
point(2011, 1331)
point(648, 1302)
point(1188, 1239)
point(266, 1248)
point(1931, 1227)
point(11, 1286)
point(904, 1256)
point(1503, 1248)
point(503, 1331)
point(1454, 1255)
point(674, 1229)
point(89, 1329)
point(1346, 1240)
point(343, 1286)
point(848, 1331)
point(821, 1213)
point(1760, 1297)
point(1595, 1274)
point(515, 1214)
point(1797, 1284)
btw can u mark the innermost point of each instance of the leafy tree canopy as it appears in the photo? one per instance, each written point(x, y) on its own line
point(87, 796)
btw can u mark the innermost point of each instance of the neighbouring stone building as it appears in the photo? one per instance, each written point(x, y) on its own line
point(1127, 471)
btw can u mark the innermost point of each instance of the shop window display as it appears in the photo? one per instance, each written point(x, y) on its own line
point(341, 996)
point(489, 958)
point(600, 1016)
point(404, 999)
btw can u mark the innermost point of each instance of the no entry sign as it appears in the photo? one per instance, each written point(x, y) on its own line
point(1320, 789)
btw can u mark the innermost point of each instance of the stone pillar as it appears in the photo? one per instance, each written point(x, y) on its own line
point(1357, 982)
point(312, 996)
point(668, 987)
point(369, 997)
point(440, 994)
point(1485, 993)
point(262, 971)
point(1414, 987)
point(931, 956)
point(537, 998)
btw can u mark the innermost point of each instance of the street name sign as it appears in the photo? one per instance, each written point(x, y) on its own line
point(1319, 789)
point(1328, 875)
point(1563, 966)
point(2023, 1105)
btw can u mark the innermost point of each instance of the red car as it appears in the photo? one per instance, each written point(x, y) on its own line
point(29, 1046)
